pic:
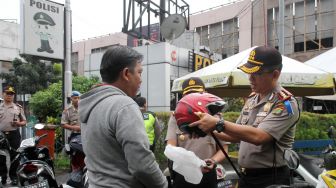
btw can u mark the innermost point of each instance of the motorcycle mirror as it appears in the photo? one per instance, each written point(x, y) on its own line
point(39, 126)
point(291, 158)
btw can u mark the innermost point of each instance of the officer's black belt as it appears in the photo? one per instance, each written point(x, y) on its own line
point(9, 132)
point(259, 171)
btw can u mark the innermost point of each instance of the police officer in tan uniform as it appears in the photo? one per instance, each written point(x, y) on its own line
point(11, 118)
point(205, 147)
point(70, 116)
point(266, 125)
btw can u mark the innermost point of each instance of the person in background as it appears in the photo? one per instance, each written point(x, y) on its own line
point(12, 117)
point(152, 126)
point(204, 147)
point(266, 125)
point(70, 116)
point(113, 132)
point(70, 122)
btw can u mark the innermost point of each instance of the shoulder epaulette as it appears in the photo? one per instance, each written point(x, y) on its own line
point(18, 105)
point(284, 95)
point(252, 94)
point(149, 112)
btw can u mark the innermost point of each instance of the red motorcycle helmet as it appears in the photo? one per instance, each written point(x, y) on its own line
point(196, 102)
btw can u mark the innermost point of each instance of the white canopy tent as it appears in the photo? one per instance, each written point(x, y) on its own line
point(326, 62)
point(224, 79)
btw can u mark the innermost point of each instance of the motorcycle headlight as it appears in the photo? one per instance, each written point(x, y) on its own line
point(41, 155)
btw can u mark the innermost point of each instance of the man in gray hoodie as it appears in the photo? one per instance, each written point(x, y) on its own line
point(113, 134)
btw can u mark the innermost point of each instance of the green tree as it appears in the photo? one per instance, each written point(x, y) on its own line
point(48, 102)
point(30, 74)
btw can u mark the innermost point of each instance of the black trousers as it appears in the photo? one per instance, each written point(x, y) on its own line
point(14, 139)
point(209, 180)
point(260, 178)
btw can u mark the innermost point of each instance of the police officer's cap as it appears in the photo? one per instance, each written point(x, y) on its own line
point(75, 94)
point(44, 19)
point(261, 59)
point(192, 84)
point(9, 89)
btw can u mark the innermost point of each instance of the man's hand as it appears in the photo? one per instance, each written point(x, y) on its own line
point(207, 123)
point(18, 123)
point(210, 164)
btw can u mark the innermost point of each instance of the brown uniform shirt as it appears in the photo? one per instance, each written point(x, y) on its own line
point(203, 147)
point(70, 116)
point(8, 114)
point(274, 117)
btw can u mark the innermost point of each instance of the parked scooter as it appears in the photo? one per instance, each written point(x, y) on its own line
point(327, 179)
point(36, 168)
point(4, 153)
point(78, 174)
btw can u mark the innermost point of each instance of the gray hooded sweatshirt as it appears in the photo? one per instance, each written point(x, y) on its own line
point(115, 141)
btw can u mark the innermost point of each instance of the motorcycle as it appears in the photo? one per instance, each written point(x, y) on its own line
point(327, 179)
point(78, 178)
point(36, 169)
point(4, 155)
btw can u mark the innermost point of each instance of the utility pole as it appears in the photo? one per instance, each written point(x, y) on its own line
point(281, 25)
point(67, 82)
point(67, 68)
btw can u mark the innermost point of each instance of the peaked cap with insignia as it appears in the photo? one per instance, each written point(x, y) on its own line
point(261, 59)
point(192, 84)
point(44, 19)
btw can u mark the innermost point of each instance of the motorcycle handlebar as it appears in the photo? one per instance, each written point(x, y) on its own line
point(40, 137)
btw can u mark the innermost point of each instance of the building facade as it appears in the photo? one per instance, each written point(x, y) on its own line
point(216, 33)
point(309, 26)
point(9, 45)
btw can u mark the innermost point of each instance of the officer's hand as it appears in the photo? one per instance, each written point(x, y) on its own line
point(210, 164)
point(15, 124)
point(207, 123)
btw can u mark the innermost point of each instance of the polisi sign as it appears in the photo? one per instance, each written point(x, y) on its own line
point(44, 6)
point(201, 61)
point(42, 29)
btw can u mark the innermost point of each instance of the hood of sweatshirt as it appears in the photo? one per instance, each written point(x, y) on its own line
point(90, 99)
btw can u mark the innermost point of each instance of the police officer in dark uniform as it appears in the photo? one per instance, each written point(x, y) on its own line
point(266, 125)
point(11, 118)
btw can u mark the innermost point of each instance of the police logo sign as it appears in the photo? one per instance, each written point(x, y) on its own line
point(42, 29)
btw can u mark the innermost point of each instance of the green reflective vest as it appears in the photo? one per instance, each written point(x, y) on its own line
point(149, 120)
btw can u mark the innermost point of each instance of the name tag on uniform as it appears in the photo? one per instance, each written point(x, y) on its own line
point(262, 114)
point(146, 116)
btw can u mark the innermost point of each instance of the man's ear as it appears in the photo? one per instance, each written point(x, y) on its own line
point(125, 73)
point(276, 74)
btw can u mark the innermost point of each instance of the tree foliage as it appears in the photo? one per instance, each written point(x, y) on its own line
point(48, 102)
point(30, 74)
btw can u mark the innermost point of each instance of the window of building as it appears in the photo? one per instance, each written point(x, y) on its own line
point(221, 37)
point(308, 25)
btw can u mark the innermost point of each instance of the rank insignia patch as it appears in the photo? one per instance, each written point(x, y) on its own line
point(278, 109)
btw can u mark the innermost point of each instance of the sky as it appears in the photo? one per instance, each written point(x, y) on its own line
point(95, 18)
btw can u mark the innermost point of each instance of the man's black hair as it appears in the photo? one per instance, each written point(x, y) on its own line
point(115, 59)
point(141, 101)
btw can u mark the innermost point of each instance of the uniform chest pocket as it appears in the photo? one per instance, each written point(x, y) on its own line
point(258, 120)
point(14, 111)
point(244, 119)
